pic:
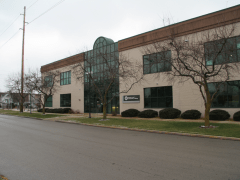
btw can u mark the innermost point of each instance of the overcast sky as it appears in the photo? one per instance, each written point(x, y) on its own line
point(61, 28)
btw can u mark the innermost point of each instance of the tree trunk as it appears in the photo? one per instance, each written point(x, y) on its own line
point(44, 102)
point(105, 106)
point(21, 107)
point(104, 111)
point(207, 110)
point(43, 109)
point(207, 105)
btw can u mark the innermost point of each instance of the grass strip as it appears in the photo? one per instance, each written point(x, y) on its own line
point(226, 130)
point(27, 114)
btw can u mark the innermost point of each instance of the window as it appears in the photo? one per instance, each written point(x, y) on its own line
point(49, 102)
point(48, 81)
point(157, 62)
point(65, 100)
point(158, 97)
point(222, 51)
point(228, 95)
point(65, 78)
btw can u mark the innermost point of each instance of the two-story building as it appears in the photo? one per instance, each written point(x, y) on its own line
point(155, 91)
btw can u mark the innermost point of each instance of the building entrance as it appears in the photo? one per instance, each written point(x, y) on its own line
point(101, 77)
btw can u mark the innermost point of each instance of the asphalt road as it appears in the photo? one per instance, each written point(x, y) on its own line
point(44, 150)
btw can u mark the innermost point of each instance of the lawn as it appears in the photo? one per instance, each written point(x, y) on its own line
point(27, 114)
point(227, 130)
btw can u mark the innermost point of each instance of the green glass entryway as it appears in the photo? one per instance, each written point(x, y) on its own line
point(101, 63)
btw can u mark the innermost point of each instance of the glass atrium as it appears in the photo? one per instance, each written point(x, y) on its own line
point(101, 76)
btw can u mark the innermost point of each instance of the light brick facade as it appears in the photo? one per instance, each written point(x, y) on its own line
point(185, 96)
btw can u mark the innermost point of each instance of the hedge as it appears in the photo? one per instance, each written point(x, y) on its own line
point(56, 110)
point(236, 116)
point(148, 114)
point(219, 114)
point(130, 113)
point(169, 113)
point(191, 114)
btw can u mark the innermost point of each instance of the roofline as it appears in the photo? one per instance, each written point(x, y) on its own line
point(77, 58)
point(61, 59)
point(179, 22)
point(136, 41)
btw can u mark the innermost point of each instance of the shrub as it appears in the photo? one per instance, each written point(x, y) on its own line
point(41, 110)
point(236, 116)
point(169, 113)
point(130, 113)
point(191, 114)
point(66, 110)
point(56, 110)
point(59, 110)
point(48, 110)
point(219, 114)
point(148, 114)
point(71, 111)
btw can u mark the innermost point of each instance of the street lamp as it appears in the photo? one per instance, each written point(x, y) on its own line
point(89, 104)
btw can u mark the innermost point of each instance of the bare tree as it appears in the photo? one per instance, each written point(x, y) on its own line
point(46, 84)
point(204, 57)
point(14, 89)
point(103, 73)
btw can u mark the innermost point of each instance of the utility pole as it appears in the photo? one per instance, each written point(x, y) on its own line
point(30, 102)
point(22, 71)
point(89, 93)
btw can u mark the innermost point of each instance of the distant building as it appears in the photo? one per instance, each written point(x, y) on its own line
point(8, 98)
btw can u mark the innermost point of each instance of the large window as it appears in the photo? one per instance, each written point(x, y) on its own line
point(222, 51)
point(48, 81)
point(158, 97)
point(49, 102)
point(65, 100)
point(157, 62)
point(228, 95)
point(65, 78)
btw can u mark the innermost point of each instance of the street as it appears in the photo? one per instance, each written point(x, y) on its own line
point(44, 150)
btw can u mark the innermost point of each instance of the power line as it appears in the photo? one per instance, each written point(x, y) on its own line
point(32, 20)
point(10, 7)
point(32, 4)
point(47, 10)
point(10, 25)
point(8, 40)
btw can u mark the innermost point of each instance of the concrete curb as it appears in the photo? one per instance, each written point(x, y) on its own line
point(140, 130)
point(154, 131)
